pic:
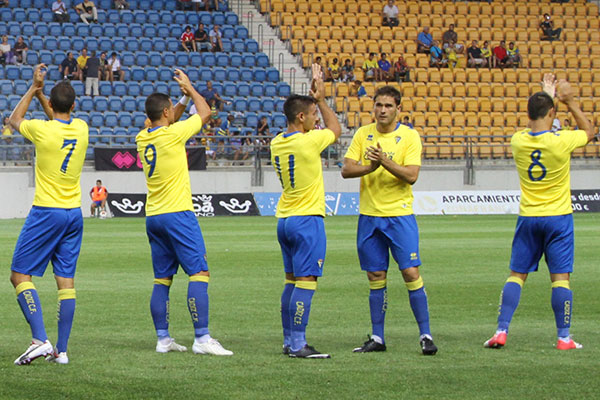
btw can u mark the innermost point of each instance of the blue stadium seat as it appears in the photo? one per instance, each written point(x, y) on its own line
point(119, 45)
point(115, 103)
point(57, 58)
point(32, 58)
point(247, 132)
point(129, 104)
point(36, 43)
point(151, 74)
point(25, 3)
point(163, 31)
point(133, 131)
point(249, 59)
point(246, 75)
point(256, 89)
point(152, 17)
point(173, 45)
point(146, 4)
point(166, 18)
point(119, 88)
point(222, 59)
point(46, 15)
point(251, 120)
point(101, 16)
point(194, 59)
point(270, 90)
point(127, 59)
point(1, 73)
point(27, 29)
point(233, 75)
point(201, 74)
point(82, 30)
point(3, 103)
point(77, 44)
point(122, 30)
point(105, 4)
point(240, 104)
point(141, 58)
point(235, 60)
point(268, 117)
point(155, 58)
point(170, 5)
point(174, 90)
point(110, 119)
point(268, 104)
point(241, 32)
point(96, 31)
point(176, 31)
point(113, 17)
point(139, 17)
point(179, 18)
point(231, 18)
point(91, 44)
point(19, 15)
point(208, 59)
point(105, 44)
point(11, 72)
point(55, 29)
point(253, 104)
point(243, 89)
point(53, 75)
point(105, 134)
point(165, 74)
point(14, 28)
point(161, 87)
point(20, 87)
point(272, 75)
point(50, 43)
point(64, 43)
point(126, 17)
point(192, 19)
point(170, 60)
point(133, 44)
point(41, 30)
point(279, 105)
point(251, 46)
point(219, 74)
point(146, 44)
point(150, 31)
point(133, 89)
point(228, 33)
point(47, 87)
point(146, 89)
point(140, 102)
point(283, 89)
point(260, 74)
point(96, 119)
point(229, 89)
point(78, 87)
point(110, 30)
point(121, 136)
point(238, 45)
point(262, 60)
point(136, 31)
point(138, 119)
point(82, 116)
point(67, 29)
point(100, 103)
point(279, 120)
point(13, 100)
point(218, 18)
point(160, 45)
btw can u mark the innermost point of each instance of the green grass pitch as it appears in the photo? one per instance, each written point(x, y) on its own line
point(465, 263)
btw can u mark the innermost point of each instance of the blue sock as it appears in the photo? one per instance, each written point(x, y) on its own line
point(29, 301)
point(562, 304)
point(198, 303)
point(511, 294)
point(159, 307)
point(418, 302)
point(300, 302)
point(66, 311)
point(378, 307)
point(286, 320)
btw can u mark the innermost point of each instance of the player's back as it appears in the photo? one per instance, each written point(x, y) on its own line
point(296, 157)
point(543, 163)
point(60, 153)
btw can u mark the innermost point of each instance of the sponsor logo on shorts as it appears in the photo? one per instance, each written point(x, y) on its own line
point(320, 262)
point(414, 256)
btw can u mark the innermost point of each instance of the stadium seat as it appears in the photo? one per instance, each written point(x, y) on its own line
point(128, 104)
point(146, 88)
point(137, 74)
point(240, 104)
point(161, 87)
point(133, 89)
point(268, 105)
point(243, 89)
point(96, 119)
point(229, 89)
point(254, 104)
point(279, 120)
point(219, 74)
point(100, 103)
point(115, 103)
point(233, 75)
point(283, 89)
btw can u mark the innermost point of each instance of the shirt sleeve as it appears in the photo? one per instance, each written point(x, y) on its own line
point(354, 150)
point(321, 137)
point(573, 139)
point(188, 128)
point(413, 149)
point(30, 128)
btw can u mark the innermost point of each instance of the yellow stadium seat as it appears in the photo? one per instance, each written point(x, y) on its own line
point(353, 104)
point(447, 75)
point(446, 104)
point(366, 104)
point(407, 104)
point(497, 105)
point(485, 90)
point(471, 90)
point(511, 121)
point(352, 120)
point(420, 105)
point(497, 90)
point(431, 119)
point(445, 119)
point(315, 6)
point(372, 46)
point(497, 119)
point(510, 90)
point(472, 105)
point(497, 76)
point(446, 89)
point(420, 88)
point(433, 105)
point(471, 119)
point(485, 76)
point(460, 75)
point(585, 76)
point(459, 105)
point(485, 105)
point(458, 119)
point(407, 89)
point(321, 46)
point(352, 21)
point(360, 46)
point(349, 33)
point(327, 8)
point(587, 105)
point(340, 103)
point(418, 119)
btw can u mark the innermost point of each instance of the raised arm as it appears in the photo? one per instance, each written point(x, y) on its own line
point(318, 92)
point(565, 94)
point(202, 108)
point(18, 114)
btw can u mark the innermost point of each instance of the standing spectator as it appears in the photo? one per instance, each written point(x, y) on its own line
point(501, 56)
point(114, 68)
point(319, 62)
point(201, 38)
point(548, 31)
point(121, 5)
point(475, 60)
point(6, 55)
point(401, 70)
point(98, 194)
point(20, 50)
point(69, 68)
point(59, 11)
point(486, 53)
point(81, 61)
point(212, 97)
point(390, 14)
point(424, 41)
point(437, 58)
point(348, 71)
point(103, 67)
point(406, 121)
point(370, 66)
point(449, 35)
point(87, 9)
point(92, 70)
point(187, 39)
point(513, 55)
point(215, 39)
point(385, 68)
point(334, 70)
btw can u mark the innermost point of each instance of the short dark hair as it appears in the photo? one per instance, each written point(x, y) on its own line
point(389, 91)
point(296, 104)
point(155, 104)
point(62, 97)
point(98, 181)
point(539, 105)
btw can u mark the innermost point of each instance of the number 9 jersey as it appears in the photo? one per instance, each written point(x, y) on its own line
point(60, 148)
point(543, 163)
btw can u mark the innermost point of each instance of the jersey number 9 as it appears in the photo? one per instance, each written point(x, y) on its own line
point(150, 161)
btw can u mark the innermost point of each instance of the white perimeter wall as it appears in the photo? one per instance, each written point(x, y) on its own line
point(17, 187)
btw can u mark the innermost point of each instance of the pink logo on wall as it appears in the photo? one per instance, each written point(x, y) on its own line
point(123, 160)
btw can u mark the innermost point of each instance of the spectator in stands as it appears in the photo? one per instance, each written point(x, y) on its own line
point(69, 68)
point(449, 36)
point(103, 67)
point(348, 71)
point(437, 58)
point(114, 68)
point(59, 11)
point(333, 71)
point(262, 129)
point(222, 136)
point(501, 59)
point(390, 14)
point(201, 38)
point(187, 39)
point(401, 70)
point(548, 31)
point(319, 61)
point(424, 41)
point(92, 71)
point(370, 66)
point(236, 143)
point(215, 39)
point(567, 125)
point(6, 55)
point(212, 97)
point(87, 9)
point(247, 149)
point(453, 52)
point(385, 69)
point(7, 131)
point(184, 5)
point(81, 61)
point(20, 50)
point(201, 4)
point(514, 56)
point(357, 89)
point(406, 121)
point(476, 59)
point(486, 53)
point(121, 5)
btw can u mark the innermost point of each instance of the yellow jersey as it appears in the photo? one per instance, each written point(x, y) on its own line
point(81, 61)
point(369, 64)
point(543, 163)
point(296, 157)
point(164, 160)
point(381, 193)
point(60, 148)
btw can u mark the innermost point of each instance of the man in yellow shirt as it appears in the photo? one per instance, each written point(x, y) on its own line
point(386, 156)
point(296, 156)
point(371, 68)
point(81, 61)
point(173, 231)
point(54, 227)
point(545, 223)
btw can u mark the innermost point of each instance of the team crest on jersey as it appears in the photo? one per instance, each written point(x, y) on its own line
point(320, 262)
point(370, 138)
point(398, 138)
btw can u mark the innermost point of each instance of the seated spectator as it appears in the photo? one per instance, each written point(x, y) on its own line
point(69, 68)
point(20, 51)
point(357, 89)
point(333, 71)
point(7, 132)
point(548, 31)
point(406, 121)
point(476, 59)
point(348, 71)
point(262, 129)
point(212, 97)
point(501, 59)
point(187, 39)
point(87, 9)
point(370, 66)
point(247, 149)
point(424, 41)
point(486, 53)
point(201, 4)
point(6, 55)
point(453, 52)
point(121, 5)
point(103, 67)
point(401, 70)
point(385, 69)
point(98, 194)
point(235, 142)
point(81, 61)
point(437, 58)
point(215, 39)
point(92, 74)
point(59, 12)
point(449, 35)
point(114, 68)
point(201, 38)
point(567, 124)
point(390, 14)
point(513, 55)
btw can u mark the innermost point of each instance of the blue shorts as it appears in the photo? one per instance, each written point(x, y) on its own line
point(49, 234)
point(176, 239)
point(551, 236)
point(98, 202)
point(303, 244)
point(376, 236)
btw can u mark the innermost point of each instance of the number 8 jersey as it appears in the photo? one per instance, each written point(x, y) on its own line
point(296, 157)
point(60, 148)
point(543, 163)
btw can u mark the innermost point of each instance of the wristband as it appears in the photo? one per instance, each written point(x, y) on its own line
point(184, 100)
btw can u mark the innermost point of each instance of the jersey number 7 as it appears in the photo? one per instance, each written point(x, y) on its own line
point(65, 164)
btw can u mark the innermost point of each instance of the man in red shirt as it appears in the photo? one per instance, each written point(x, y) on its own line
point(98, 195)
point(501, 56)
point(187, 39)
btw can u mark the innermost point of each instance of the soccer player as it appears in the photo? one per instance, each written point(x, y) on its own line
point(173, 231)
point(545, 222)
point(386, 155)
point(54, 227)
point(296, 156)
point(98, 194)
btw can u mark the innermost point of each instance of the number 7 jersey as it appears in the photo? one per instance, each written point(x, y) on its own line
point(60, 148)
point(543, 163)
point(296, 157)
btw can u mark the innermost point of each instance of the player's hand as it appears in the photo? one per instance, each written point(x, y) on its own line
point(549, 84)
point(184, 82)
point(564, 92)
point(375, 155)
point(39, 73)
point(317, 89)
